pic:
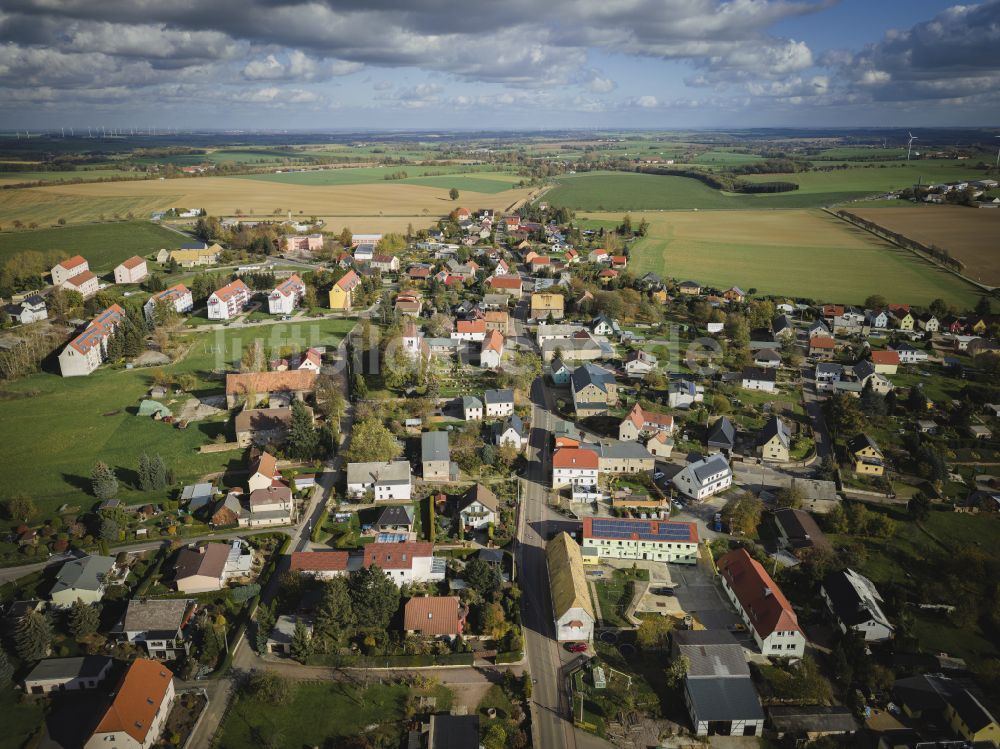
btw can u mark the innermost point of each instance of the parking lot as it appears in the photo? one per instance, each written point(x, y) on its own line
point(694, 593)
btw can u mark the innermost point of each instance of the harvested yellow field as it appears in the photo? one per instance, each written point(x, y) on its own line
point(369, 207)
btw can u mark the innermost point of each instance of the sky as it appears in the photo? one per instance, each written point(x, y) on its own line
point(498, 64)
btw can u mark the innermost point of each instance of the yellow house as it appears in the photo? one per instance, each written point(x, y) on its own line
point(544, 304)
point(868, 459)
point(979, 326)
point(970, 719)
point(191, 258)
point(342, 292)
point(660, 296)
point(904, 319)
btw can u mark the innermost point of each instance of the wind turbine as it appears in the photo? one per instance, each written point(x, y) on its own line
point(909, 144)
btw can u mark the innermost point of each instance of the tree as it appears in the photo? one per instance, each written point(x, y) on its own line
point(374, 597)
point(303, 439)
point(654, 632)
point(919, 506)
point(265, 623)
point(19, 507)
point(360, 388)
point(83, 619)
point(453, 193)
point(790, 496)
point(371, 442)
point(677, 670)
point(33, 636)
point(334, 615)
point(165, 313)
point(482, 577)
point(103, 481)
point(876, 301)
point(110, 530)
point(493, 621)
point(6, 669)
point(742, 514)
point(301, 647)
point(496, 736)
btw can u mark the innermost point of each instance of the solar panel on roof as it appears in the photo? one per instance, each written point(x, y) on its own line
point(647, 530)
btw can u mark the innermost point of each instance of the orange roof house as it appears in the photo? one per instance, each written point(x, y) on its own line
point(434, 616)
point(140, 708)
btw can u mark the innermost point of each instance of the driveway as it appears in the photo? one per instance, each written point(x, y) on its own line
point(694, 593)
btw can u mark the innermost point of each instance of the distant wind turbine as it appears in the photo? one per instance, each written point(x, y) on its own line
point(909, 144)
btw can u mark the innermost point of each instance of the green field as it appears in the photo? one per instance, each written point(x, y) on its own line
point(874, 178)
point(860, 152)
point(620, 191)
point(104, 245)
point(725, 158)
point(319, 711)
point(375, 175)
point(807, 254)
point(490, 183)
point(77, 421)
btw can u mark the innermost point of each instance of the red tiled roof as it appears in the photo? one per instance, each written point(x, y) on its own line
point(72, 262)
point(133, 262)
point(885, 357)
point(319, 561)
point(396, 556)
point(230, 290)
point(139, 697)
point(470, 326)
point(766, 606)
point(81, 278)
point(291, 286)
point(608, 273)
point(266, 464)
point(505, 282)
point(493, 341)
point(832, 310)
point(822, 342)
point(100, 326)
point(349, 281)
point(574, 457)
point(433, 615)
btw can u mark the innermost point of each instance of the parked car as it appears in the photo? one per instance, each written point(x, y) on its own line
point(576, 647)
point(658, 475)
point(663, 591)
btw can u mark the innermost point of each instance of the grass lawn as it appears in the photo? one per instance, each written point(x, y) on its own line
point(20, 719)
point(318, 711)
point(614, 593)
point(800, 253)
point(77, 421)
point(104, 245)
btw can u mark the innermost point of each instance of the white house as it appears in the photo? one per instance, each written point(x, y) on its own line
point(499, 403)
point(85, 353)
point(406, 562)
point(758, 379)
point(86, 284)
point(83, 579)
point(572, 610)
point(633, 538)
point(510, 433)
point(135, 718)
point(286, 296)
point(909, 354)
point(684, 393)
point(177, 296)
point(270, 506)
point(65, 270)
point(201, 569)
point(28, 310)
point(229, 301)
point(828, 374)
point(638, 364)
point(157, 624)
point(856, 604)
point(472, 408)
point(491, 352)
point(704, 477)
point(765, 611)
point(577, 468)
point(477, 508)
point(263, 472)
point(132, 270)
point(388, 482)
point(67, 674)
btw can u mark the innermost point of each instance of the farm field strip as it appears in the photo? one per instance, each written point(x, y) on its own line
point(222, 196)
point(970, 235)
point(364, 175)
point(800, 253)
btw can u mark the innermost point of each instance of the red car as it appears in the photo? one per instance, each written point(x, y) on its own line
point(576, 647)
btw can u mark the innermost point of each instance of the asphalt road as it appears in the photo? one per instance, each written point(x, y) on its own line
point(815, 412)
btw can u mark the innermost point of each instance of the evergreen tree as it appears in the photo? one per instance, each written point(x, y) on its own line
point(265, 623)
point(33, 637)
point(103, 481)
point(360, 386)
point(334, 615)
point(158, 472)
point(6, 669)
point(374, 597)
point(83, 619)
point(110, 530)
point(115, 345)
point(303, 438)
point(301, 643)
point(145, 473)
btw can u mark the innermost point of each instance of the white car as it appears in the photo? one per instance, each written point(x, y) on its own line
point(658, 475)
